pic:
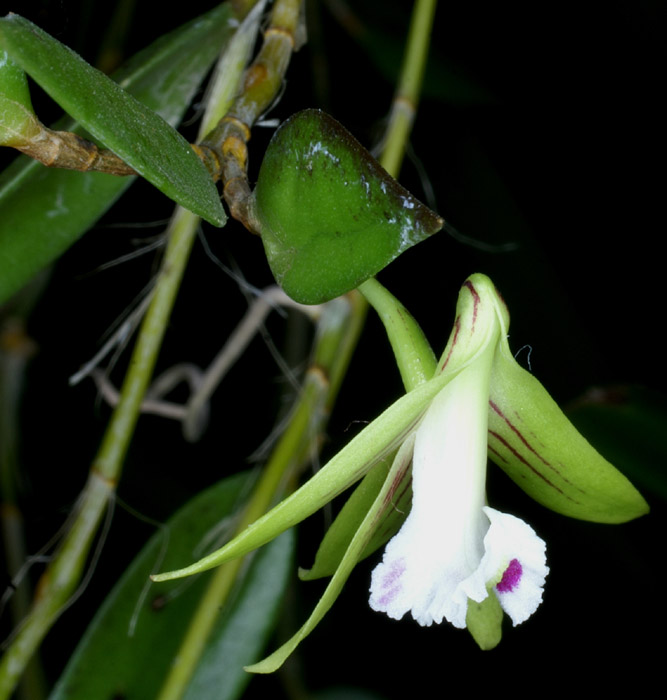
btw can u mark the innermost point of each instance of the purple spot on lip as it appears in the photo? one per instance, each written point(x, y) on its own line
point(511, 577)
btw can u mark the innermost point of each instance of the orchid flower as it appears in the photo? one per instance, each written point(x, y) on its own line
point(452, 547)
point(451, 551)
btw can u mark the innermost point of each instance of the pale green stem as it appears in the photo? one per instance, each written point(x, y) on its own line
point(414, 356)
point(404, 106)
point(62, 576)
point(415, 359)
point(337, 334)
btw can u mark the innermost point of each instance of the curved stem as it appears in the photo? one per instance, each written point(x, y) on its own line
point(62, 577)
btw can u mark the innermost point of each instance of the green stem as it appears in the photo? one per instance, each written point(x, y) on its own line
point(337, 334)
point(63, 575)
point(404, 106)
point(414, 356)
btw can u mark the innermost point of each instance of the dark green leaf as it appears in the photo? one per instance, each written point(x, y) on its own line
point(330, 216)
point(119, 121)
point(626, 424)
point(43, 211)
point(110, 662)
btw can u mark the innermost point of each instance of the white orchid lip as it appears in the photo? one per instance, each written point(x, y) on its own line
point(452, 547)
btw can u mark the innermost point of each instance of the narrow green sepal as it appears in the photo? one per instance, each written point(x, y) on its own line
point(339, 535)
point(329, 215)
point(374, 443)
point(359, 543)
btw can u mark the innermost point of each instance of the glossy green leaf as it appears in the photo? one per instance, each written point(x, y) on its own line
point(42, 210)
point(329, 215)
point(130, 644)
point(119, 121)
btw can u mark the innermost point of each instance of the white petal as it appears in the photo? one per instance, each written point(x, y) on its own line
point(441, 542)
point(515, 559)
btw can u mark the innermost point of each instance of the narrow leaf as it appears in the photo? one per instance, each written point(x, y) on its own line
point(43, 211)
point(132, 131)
point(130, 644)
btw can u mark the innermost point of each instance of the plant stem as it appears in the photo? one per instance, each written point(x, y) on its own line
point(414, 355)
point(61, 578)
point(404, 105)
point(337, 333)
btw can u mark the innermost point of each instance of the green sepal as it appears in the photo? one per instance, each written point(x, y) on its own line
point(18, 123)
point(484, 621)
point(374, 443)
point(529, 436)
point(329, 215)
point(339, 535)
point(43, 211)
point(359, 543)
point(531, 439)
point(120, 122)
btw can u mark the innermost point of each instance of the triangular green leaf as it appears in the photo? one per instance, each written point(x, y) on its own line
point(330, 216)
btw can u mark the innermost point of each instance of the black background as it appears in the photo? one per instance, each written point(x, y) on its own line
point(540, 127)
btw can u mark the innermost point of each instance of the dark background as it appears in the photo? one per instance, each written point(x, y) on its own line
point(539, 127)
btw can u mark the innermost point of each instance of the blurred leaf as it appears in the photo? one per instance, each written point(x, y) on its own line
point(132, 131)
point(43, 211)
point(112, 661)
point(330, 216)
point(627, 423)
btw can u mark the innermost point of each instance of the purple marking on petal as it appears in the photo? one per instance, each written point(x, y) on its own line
point(511, 577)
point(394, 573)
point(388, 597)
point(390, 584)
